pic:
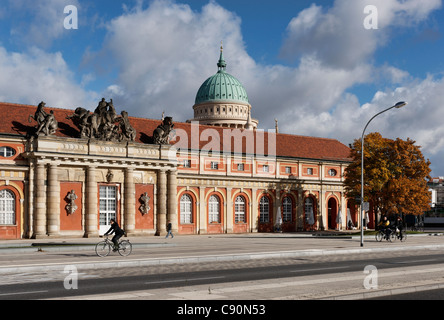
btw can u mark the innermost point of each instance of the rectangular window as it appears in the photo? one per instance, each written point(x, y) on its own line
point(214, 165)
point(240, 167)
point(187, 163)
point(310, 171)
point(108, 204)
point(265, 168)
point(288, 170)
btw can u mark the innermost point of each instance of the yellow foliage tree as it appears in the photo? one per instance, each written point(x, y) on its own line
point(395, 175)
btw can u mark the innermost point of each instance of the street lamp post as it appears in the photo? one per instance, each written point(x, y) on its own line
point(397, 106)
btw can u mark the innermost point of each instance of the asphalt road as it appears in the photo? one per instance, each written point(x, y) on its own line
point(118, 280)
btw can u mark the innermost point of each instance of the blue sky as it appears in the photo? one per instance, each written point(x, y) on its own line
point(310, 64)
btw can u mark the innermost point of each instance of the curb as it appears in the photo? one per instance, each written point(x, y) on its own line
point(386, 293)
point(71, 247)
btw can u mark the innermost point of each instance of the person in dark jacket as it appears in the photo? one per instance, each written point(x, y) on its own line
point(118, 233)
point(169, 230)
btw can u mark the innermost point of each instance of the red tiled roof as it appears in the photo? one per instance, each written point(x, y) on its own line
point(14, 120)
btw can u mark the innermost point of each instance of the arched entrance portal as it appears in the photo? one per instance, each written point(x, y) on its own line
point(332, 213)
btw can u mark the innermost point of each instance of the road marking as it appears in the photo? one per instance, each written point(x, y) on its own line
point(184, 280)
point(17, 293)
point(320, 269)
point(415, 261)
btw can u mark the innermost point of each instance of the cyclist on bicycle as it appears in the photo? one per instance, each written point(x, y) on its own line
point(385, 224)
point(118, 233)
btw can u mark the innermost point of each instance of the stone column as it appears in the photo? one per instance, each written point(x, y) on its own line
point(53, 201)
point(91, 214)
point(130, 201)
point(202, 214)
point(228, 212)
point(161, 203)
point(40, 202)
point(172, 199)
point(254, 213)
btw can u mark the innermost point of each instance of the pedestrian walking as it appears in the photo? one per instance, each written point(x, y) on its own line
point(169, 230)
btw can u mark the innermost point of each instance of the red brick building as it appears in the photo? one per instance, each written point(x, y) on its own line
point(58, 180)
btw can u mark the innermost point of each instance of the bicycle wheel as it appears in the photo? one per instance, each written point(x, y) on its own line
point(103, 249)
point(392, 237)
point(125, 248)
point(379, 236)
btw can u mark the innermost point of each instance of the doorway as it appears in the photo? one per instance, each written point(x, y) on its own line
point(332, 213)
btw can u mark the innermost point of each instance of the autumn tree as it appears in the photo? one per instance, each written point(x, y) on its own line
point(395, 175)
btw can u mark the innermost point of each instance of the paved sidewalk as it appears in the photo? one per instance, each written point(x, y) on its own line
point(55, 254)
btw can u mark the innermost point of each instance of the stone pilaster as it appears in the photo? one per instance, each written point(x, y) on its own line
point(172, 199)
point(53, 194)
point(161, 203)
point(91, 215)
point(40, 202)
point(130, 203)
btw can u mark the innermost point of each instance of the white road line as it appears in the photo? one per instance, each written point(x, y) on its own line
point(17, 293)
point(320, 269)
point(184, 280)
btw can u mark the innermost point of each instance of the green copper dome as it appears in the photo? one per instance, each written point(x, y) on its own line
point(222, 87)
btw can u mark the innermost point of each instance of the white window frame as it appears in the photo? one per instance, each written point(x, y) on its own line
point(214, 209)
point(287, 208)
point(264, 210)
point(187, 163)
point(186, 209)
point(239, 209)
point(265, 168)
point(7, 207)
point(107, 204)
point(214, 165)
point(7, 152)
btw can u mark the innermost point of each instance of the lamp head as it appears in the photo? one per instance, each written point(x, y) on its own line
point(400, 104)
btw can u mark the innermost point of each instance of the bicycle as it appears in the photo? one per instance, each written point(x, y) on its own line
point(401, 235)
point(103, 248)
point(382, 234)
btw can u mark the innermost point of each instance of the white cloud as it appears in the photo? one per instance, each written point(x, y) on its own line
point(44, 20)
point(164, 52)
point(36, 75)
point(337, 37)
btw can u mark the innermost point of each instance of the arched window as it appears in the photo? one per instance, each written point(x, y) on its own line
point(309, 211)
point(7, 207)
point(213, 209)
point(287, 206)
point(264, 210)
point(186, 209)
point(239, 210)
